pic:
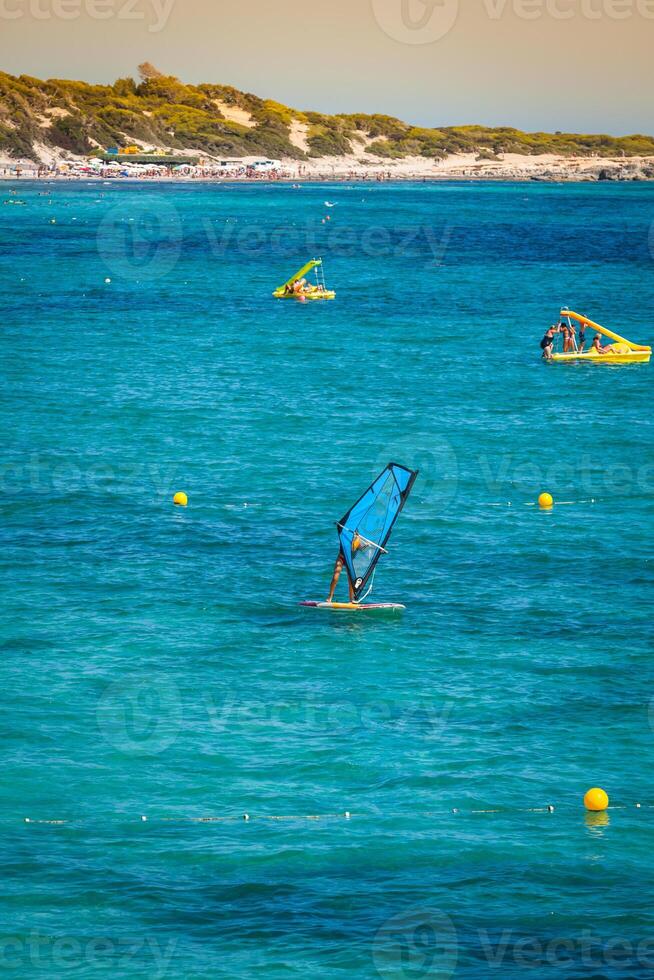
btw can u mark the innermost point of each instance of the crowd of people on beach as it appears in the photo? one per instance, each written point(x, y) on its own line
point(80, 170)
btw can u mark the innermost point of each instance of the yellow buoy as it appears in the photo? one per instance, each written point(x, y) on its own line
point(546, 501)
point(596, 800)
point(180, 499)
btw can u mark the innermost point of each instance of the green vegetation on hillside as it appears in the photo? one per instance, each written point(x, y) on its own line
point(162, 112)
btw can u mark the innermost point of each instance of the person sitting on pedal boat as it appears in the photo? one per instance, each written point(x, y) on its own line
point(597, 344)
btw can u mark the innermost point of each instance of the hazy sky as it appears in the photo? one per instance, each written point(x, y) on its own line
point(576, 65)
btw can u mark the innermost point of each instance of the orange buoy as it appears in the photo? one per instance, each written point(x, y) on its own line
point(596, 800)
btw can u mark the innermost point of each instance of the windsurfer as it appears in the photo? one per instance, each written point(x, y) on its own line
point(338, 568)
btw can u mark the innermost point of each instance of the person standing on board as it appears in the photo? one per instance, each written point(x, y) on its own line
point(338, 568)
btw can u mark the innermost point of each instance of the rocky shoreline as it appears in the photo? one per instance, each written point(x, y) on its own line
point(512, 167)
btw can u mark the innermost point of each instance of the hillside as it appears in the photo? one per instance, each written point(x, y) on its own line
point(39, 119)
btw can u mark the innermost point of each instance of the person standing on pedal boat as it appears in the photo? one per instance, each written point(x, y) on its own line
point(547, 343)
point(569, 343)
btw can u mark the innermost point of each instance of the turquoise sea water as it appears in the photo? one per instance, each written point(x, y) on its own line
point(155, 662)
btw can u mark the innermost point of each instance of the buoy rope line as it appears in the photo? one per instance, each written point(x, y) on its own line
point(181, 500)
point(546, 502)
point(559, 503)
point(343, 815)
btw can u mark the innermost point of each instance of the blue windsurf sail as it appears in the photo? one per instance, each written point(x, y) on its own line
point(366, 528)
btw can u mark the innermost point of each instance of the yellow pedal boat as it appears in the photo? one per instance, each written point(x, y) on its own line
point(290, 290)
point(620, 352)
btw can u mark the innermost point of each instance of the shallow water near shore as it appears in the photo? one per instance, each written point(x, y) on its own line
point(155, 662)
